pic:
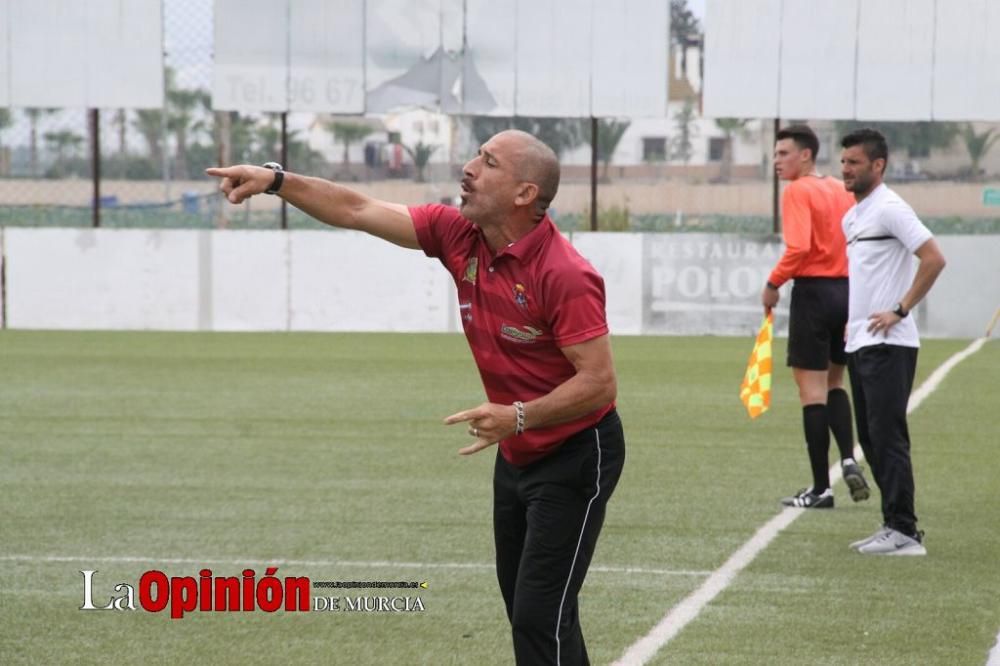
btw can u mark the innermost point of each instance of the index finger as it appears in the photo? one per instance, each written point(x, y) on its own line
point(221, 172)
point(475, 447)
point(466, 415)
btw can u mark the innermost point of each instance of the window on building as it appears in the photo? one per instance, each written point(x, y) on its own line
point(716, 145)
point(654, 149)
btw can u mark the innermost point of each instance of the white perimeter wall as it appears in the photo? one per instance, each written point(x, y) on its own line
point(347, 281)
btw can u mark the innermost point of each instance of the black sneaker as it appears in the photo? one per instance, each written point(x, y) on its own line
point(855, 481)
point(807, 499)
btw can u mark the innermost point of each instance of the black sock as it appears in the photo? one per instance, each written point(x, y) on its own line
point(838, 412)
point(817, 428)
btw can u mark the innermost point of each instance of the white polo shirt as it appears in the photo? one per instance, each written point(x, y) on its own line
point(882, 235)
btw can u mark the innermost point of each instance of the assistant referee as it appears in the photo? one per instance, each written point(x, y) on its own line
point(815, 256)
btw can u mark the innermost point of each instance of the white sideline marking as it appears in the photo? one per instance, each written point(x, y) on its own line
point(324, 563)
point(688, 609)
point(931, 383)
point(993, 659)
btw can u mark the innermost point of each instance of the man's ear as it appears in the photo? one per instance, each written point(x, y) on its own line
point(526, 194)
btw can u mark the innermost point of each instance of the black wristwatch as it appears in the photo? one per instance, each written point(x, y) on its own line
point(899, 311)
point(279, 176)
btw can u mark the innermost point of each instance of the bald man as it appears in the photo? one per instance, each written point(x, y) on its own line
point(533, 311)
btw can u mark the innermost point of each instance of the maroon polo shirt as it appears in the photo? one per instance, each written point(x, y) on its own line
point(518, 308)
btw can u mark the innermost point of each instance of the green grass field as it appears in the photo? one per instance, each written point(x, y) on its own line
point(324, 455)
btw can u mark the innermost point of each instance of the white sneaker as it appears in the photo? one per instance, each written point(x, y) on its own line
point(868, 539)
point(894, 542)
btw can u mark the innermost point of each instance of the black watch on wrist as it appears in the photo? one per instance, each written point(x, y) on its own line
point(899, 311)
point(279, 177)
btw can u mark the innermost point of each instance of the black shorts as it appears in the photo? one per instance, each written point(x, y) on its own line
point(817, 323)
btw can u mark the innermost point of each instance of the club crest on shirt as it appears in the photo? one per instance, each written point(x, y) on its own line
point(471, 269)
point(522, 334)
point(520, 295)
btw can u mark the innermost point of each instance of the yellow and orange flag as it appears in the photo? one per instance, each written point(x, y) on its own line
point(755, 391)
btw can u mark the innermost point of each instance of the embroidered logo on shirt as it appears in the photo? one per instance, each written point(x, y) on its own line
point(515, 334)
point(466, 310)
point(471, 269)
point(520, 295)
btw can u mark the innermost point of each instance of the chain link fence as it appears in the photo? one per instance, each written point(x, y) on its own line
point(682, 173)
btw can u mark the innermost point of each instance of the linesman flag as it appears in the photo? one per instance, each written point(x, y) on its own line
point(755, 391)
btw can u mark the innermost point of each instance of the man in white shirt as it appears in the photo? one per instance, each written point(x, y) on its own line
point(882, 234)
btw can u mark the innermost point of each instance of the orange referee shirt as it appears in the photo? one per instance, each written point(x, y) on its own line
point(812, 208)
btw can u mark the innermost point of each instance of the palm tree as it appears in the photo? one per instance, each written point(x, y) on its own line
point(242, 136)
point(347, 133)
point(234, 137)
point(918, 139)
point(182, 105)
point(301, 155)
point(609, 134)
point(683, 23)
point(149, 123)
point(120, 122)
point(34, 115)
point(64, 144)
point(179, 116)
point(682, 143)
point(559, 134)
point(269, 142)
point(978, 144)
point(5, 122)
point(421, 155)
point(730, 127)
